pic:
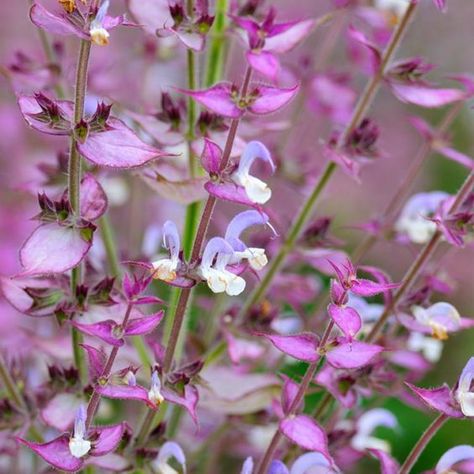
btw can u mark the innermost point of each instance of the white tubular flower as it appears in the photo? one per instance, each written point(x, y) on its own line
point(154, 394)
point(257, 191)
point(78, 446)
point(413, 219)
point(169, 450)
point(367, 423)
point(465, 391)
point(99, 35)
point(397, 7)
point(430, 347)
point(255, 256)
point(165, 268)
point(217, 255)
point(442, 318)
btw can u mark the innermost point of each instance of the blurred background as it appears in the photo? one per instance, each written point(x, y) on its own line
point(132, 72)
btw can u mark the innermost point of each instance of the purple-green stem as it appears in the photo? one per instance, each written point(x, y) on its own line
point(74, 182)
point(421, 444)
point(310, 373)
point(200, 236)
point(95, 397)
point(360, 111)
point(185, 293)
point(412, 273)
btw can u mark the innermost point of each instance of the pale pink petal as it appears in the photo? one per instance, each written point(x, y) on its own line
point(93, 198)
point(56, 24)
point(305, 432)
point(300, 346)
point(118, 147)
point(426, 96)
point(270, 99)
point(56, 453)
point(53, 249)
point(264, 62)
point(352, 355)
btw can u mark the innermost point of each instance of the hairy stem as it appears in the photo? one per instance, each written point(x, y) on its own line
point(360, 110)
point(421, 443)
point(420, 262)
point(95, 398)
point(74, 183)
point(199, 240)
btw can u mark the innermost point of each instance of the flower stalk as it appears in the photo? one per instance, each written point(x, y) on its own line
point(421, 444)
point(360, 111)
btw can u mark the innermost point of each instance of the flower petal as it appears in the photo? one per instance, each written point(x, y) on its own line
point(145, 325)
point(56, 452)
point(56, 24)
point(61, 410)
point(108, 439)
point(305, 432)
point(352, 355)
point(270, 99)
point(103, 330)
point(52, 248)
point(346, 318)
point(93, 198)
point(118, 147)
point(126, 392)
point(264, 62)
point(439, 399)
point(453, 456)
point(300, 346)
point(188, 401)
point(425, 96)
point(239, 224)
point(218, 99)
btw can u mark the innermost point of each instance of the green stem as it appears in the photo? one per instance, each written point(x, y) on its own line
point(420, 262)
point(421, 444)
point(216, 56)
point(110, 247)
point(10, 386)
point(95, 398)
point(74, 182)
point(360, 110)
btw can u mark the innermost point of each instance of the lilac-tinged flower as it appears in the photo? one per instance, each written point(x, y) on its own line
point(99, 35)
point(256, 190)
point(455, 403)
point(413, 220)
point(366, 425)
point(69, 453)
point(223, 99)
point(430, 347)
point(452, 457)
point(313, 462)
point(76, 23)
point(464, 393)
point(255, 256)
point(78, 445)
point(154, 394)
point(247, 467)
point(237, 185)
point(169, 450)
point(165, 268)
point(217, 255)
point(438, 320)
